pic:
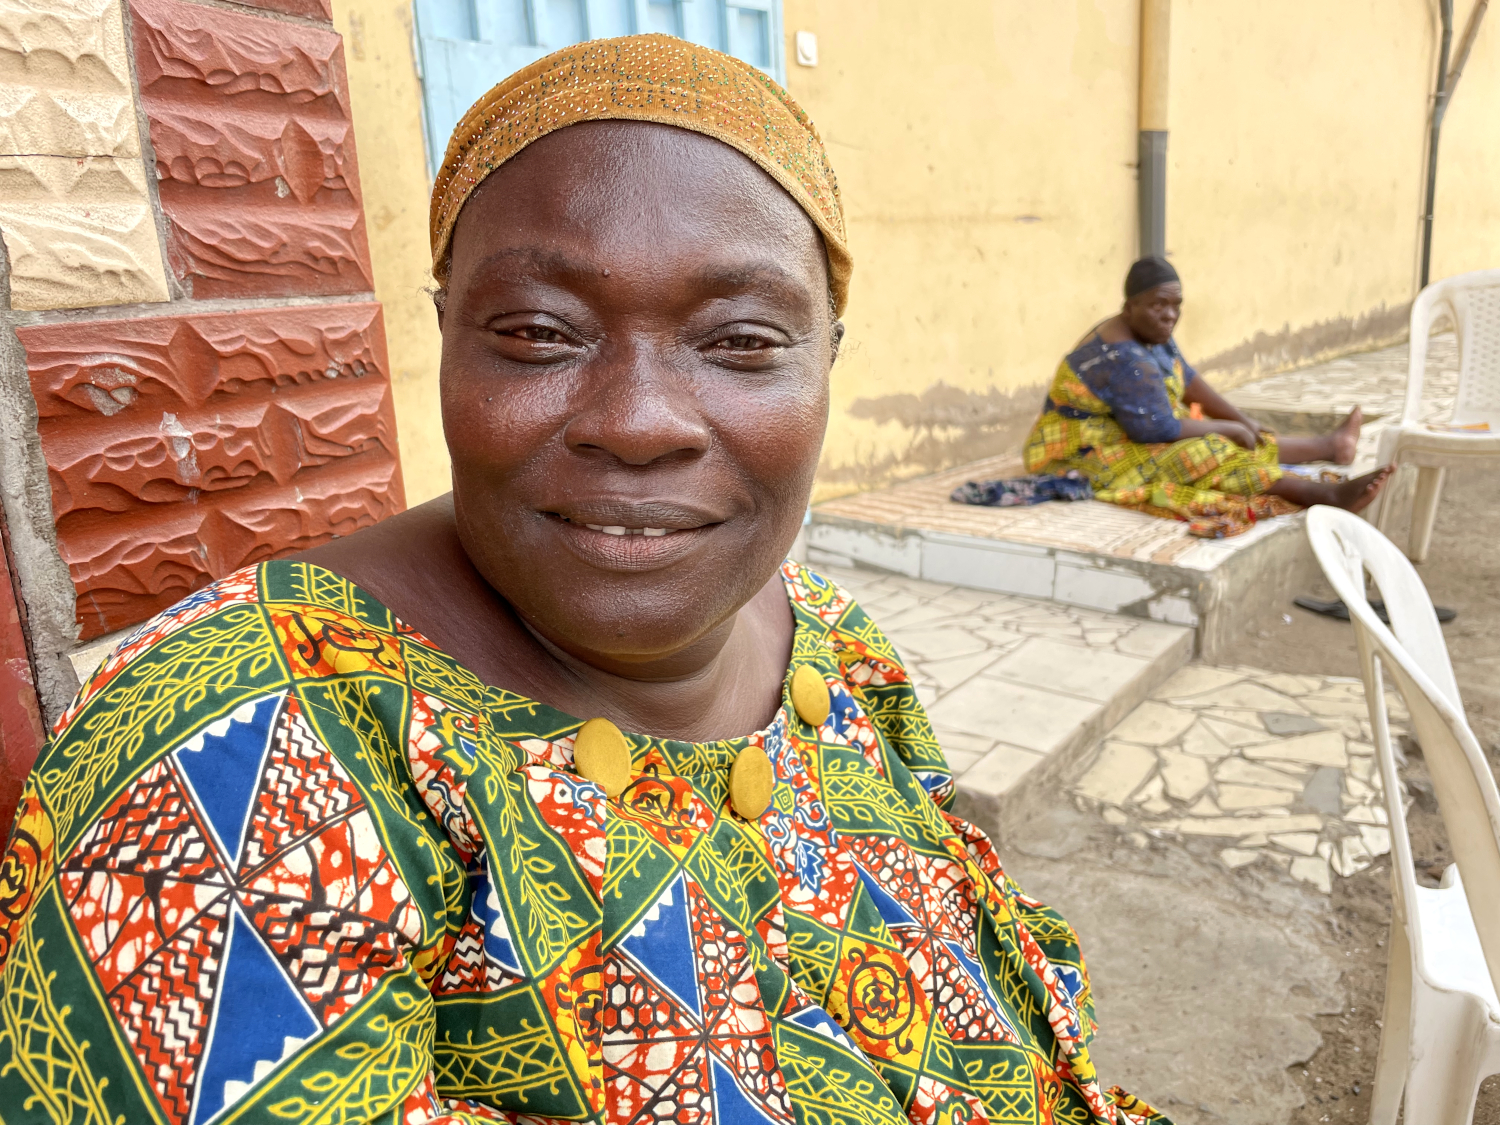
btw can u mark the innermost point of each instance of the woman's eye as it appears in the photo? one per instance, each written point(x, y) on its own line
point(538, 334)
point(745, 343)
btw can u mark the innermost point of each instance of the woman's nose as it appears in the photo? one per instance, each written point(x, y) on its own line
point(639, 413)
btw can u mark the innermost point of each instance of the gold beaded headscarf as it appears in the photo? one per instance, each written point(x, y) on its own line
point(645, 78)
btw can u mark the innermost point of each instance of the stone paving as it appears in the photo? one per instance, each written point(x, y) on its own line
point(1011, 682)
point(1270, 767)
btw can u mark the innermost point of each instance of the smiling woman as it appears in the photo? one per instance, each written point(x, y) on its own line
point(565, 796)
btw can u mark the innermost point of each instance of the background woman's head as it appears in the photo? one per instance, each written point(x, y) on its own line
point(1153, 300)
point(637, 335)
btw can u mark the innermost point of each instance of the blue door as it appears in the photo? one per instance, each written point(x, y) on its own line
point(466, 46)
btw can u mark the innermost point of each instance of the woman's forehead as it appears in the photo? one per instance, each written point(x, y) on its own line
point(632, 188)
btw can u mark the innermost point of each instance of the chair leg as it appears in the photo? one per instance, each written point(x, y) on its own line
point(1379, 512)
point(1447, 1052)
point(1395, 1035)
point(1424, 503)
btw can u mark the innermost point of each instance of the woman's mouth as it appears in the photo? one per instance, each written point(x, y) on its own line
point(614, 530)
point(620, 546)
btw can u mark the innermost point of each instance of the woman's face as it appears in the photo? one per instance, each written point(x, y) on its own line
point(636, 344)
point(1154, 314)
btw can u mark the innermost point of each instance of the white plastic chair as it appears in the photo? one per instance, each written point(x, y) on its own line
point(1472, 302)
point(1441, 1033)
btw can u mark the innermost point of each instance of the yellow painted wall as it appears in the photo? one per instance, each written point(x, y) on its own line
point(386, 95)
point(987, 161)
point(986, 164)
point(1294, 175)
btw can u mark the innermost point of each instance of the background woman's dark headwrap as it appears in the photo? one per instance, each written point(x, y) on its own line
point(1148, 273)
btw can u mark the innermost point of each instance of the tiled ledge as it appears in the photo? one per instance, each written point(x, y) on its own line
point(1085, 554)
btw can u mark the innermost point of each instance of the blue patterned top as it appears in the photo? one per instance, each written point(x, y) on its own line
point(1128, 377)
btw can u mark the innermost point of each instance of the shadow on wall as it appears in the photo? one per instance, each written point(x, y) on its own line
point(1266, 353)
point(945, 426)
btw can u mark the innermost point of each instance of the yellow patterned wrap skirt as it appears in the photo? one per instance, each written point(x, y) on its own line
point(1211, 482)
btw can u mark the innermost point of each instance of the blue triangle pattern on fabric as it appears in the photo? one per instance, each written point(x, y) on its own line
point(817, 1020)
point(223, 764)
point(731, 1106)
point(487, 909)
point(662, 944)
point(976, 974)
point(259, 1019)
point(892, 911)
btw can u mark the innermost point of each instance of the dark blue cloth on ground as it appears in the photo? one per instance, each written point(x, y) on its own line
point(1019, 491)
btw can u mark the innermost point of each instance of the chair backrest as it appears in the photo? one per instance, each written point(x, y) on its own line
point(1413, 652)
point(1472, 302)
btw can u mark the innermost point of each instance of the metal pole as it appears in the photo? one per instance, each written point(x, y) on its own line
point(1156, 39)
point(1439, 107)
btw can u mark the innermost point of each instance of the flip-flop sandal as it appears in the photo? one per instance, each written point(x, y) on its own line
point(1340, 612)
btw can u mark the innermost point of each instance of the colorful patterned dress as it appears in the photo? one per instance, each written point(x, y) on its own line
point(286, 861)
point(1114, 413)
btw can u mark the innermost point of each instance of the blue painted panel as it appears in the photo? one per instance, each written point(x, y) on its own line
point(608, 18)
point(750, 36)
point(664, 17)
point(564, 22)
point(448, 19)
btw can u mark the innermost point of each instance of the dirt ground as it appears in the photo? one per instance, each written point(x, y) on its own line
point(1463, 571)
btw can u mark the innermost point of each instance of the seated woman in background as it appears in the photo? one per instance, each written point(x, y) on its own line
point(565, 796)
point(1119, 412)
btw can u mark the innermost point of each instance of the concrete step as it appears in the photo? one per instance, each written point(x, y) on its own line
point(1084, 553)
point(1018, 689)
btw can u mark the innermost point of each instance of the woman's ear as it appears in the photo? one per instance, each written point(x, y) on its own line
point(836, 334)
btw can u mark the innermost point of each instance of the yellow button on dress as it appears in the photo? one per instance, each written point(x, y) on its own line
point(601, 754)
point(751, 781)
point(810, 695)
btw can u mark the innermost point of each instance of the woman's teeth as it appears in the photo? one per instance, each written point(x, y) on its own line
point(651, 531)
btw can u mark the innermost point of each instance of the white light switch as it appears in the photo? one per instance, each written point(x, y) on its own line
point(807, 48)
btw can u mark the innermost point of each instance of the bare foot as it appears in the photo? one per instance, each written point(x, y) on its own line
point(1355, 495)
point(1346, 437)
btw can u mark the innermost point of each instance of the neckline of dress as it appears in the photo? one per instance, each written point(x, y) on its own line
point(1099, 336)
point(507, 698)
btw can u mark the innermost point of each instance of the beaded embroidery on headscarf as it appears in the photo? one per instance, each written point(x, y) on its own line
point(645, 78)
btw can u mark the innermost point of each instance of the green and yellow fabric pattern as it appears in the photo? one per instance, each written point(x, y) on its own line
point(1209, 481)
point(286, 860)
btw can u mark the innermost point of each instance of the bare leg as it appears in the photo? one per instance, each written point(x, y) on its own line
point(1337, 447)
point(1351, 495)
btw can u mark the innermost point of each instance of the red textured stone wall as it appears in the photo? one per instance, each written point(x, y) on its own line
point(247, 416)
point(20, 718)
point(249, 120)
point(181, 448)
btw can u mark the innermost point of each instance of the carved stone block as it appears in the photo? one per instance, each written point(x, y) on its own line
point(254, 150)
point(79, 232)
point(74, 212)
point(65, 80)
point(181, 448)
point(311, 9)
